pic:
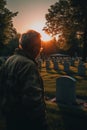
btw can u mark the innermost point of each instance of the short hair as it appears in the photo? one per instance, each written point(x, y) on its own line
point(26, 38)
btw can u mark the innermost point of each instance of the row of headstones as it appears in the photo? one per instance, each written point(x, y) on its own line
point(70, 61)
point(81, 67)
point(61, 60)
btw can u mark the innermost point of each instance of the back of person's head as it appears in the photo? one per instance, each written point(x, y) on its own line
point(28, 38)
point(30, 41)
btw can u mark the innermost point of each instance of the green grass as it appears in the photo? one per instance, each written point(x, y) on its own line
point(63, 117)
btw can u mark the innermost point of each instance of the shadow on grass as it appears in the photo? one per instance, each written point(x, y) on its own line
point(56, 71)
point(73, 117)
point(70, 73)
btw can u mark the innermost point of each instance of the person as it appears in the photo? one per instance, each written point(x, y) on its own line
point(25, 107)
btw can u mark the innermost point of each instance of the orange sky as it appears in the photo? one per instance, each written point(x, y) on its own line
point(31, 13)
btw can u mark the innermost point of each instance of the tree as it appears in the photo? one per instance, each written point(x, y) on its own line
point(9, 48)
point(13, 44)
point(7, 31)
point(65, 19)
point(82, 6)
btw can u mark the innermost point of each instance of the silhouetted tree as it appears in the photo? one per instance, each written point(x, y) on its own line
point(7, 31)
point(66, 19)
point(81, 5)
point(13, 44)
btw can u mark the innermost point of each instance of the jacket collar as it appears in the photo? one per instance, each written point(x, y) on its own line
point(23, 53)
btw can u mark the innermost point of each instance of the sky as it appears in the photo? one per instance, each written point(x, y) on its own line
point(31, 13)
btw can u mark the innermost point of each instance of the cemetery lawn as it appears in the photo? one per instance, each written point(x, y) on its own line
point(66, 118)
point(61, 116)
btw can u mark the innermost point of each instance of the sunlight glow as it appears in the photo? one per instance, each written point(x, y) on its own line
point(38, 27)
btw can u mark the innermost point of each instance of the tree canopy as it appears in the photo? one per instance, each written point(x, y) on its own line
point(81, 5)
point(66, 17)
point(63, 18)
point(7, 30)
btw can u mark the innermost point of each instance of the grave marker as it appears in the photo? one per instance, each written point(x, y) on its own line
point(65, 90)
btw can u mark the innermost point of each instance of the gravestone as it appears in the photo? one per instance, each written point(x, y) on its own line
point(66, 67)
point(81, 69)
point(47, 64)
point(55, 63)
point(72, 61)
point(65, 90)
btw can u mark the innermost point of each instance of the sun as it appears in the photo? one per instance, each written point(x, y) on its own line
point(38, 27)
point(45, 37)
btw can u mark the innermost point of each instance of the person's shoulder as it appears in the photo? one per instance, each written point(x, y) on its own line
point(21, 61)
point(10, 58)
